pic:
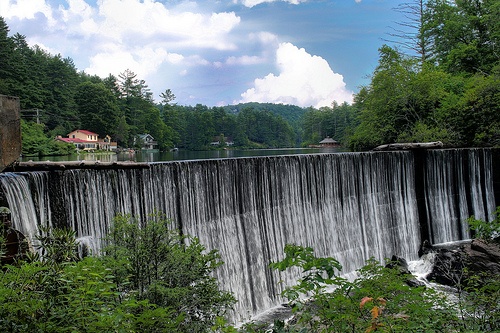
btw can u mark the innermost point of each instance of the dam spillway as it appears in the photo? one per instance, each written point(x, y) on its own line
point(351, 206)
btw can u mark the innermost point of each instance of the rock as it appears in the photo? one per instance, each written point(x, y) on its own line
point(425, 248)
point(478, 257)
point(448, 267)
point(401, 265)
point(483, 257)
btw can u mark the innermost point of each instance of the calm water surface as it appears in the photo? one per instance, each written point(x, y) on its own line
point(182, 155)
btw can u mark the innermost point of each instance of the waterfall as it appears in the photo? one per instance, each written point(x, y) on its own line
point(29, 202)
point(351, 206)
point(458, 185)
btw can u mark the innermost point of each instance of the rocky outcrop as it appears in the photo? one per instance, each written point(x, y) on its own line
point(401, 265)
point(482, 256)
point(478, 257)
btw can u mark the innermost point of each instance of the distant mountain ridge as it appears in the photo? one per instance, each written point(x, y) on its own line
point(291, 113)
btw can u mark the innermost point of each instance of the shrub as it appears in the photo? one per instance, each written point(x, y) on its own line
point(487, 231)
point(150, 280)
point(168, 269)
point(378, 300)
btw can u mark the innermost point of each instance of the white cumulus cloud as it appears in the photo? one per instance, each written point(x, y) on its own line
point(303, 80)
point(26, 9)
point(251, 3)
point(245, 60)
point(142, 33)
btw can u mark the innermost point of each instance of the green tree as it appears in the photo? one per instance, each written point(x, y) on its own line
point(129, 85)
point(198, 129)
point(97, 108)
point(265, 129)
point(465, 34)
point(122, 131)
point(154, 125)
point(337, 121)
point(167, 96)
point(6, 58)
point(168, 270)
point(36, 143)
point(382, 105)
point(173, 116)
point(59, 105)
point(477, 115)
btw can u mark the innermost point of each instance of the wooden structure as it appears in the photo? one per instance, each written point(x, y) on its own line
point(328, 142)
point(410, 145)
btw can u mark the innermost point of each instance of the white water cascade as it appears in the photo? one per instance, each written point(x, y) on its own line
point(458, 184)
point(351, 206)
point(27, 195)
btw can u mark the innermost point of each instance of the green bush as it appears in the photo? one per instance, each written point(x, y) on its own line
point(487, 231)
point(168, 269)
point(378, 300)
point(151, 279)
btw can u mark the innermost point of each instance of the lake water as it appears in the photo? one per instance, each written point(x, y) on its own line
point(183, 155)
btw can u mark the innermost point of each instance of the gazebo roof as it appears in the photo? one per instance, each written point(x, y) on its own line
point(327, 140)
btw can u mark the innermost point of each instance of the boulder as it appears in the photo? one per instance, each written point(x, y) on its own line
point(483, 257)
point(425, 248)
point(448, 267)
point(478, 256)
point(401, 265)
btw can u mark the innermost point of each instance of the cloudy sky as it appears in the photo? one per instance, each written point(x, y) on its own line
point(217, 52)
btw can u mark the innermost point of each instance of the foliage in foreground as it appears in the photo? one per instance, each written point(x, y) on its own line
point(379, 300)
point(167, 269)
point(487, 231)
point(151, 280)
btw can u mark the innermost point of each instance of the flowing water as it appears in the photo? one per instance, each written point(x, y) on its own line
point(351, 206)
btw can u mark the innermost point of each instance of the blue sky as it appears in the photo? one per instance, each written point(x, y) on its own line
point(301, 52)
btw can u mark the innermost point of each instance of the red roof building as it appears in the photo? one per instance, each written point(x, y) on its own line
point(87, 140)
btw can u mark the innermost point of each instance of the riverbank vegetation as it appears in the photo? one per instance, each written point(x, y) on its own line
point(442, 83)
point(150, 278)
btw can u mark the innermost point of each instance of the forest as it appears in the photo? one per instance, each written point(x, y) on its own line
point(440, 82)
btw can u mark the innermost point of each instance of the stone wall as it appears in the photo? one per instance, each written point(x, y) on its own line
point(10, 131)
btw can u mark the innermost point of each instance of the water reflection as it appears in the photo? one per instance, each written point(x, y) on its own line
point(181, 155)
point(90, 157)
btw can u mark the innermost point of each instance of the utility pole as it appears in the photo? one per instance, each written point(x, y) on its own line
point(32, 113)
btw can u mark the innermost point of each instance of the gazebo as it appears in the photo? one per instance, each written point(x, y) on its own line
point(328, 142)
